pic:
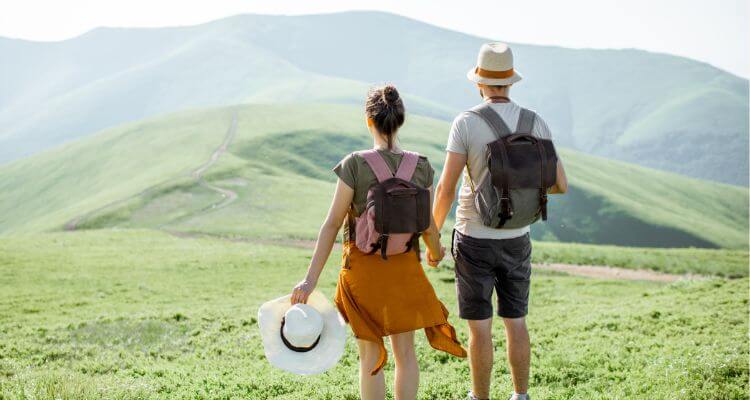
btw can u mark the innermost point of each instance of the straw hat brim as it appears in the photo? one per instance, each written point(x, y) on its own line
point(326, 353)
point(472, 75)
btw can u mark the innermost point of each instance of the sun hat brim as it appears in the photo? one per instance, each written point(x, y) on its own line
point(472, 75)
point(326, 353)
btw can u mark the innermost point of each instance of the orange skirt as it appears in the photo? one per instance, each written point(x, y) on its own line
point(384, 297)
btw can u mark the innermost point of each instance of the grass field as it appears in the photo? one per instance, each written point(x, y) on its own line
point(723, 263)
point(142, 315)
point(46, 191)
point(283, 153)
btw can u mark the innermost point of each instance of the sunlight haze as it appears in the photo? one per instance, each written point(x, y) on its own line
point(717, 34)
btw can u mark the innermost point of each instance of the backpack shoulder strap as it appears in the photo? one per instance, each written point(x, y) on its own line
point(377, 164)
point(497, 125)
point(407, 166)
point(526, 121)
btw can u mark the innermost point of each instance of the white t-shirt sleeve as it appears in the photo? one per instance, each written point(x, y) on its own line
point(541, 129)
point(457, 138)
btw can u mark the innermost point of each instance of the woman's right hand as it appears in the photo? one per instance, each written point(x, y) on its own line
point(433, 260)
point(302, 291)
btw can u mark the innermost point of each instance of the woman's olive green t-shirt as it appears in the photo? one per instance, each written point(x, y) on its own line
point(355, 172)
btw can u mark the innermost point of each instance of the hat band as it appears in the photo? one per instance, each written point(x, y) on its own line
point(293, 347)
point(485, 73)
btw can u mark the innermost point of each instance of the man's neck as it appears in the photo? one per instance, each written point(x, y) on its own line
point(497, 99)
point(488, 92)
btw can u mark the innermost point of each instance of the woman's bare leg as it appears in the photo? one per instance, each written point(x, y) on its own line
point(407, 368)
point(371, 387)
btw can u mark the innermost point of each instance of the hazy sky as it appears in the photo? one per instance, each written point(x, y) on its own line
point(716, 32)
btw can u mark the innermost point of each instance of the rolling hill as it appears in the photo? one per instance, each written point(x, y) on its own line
point(140, 175)
point(656, 110)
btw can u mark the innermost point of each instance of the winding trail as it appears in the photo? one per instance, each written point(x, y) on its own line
point(228, 196)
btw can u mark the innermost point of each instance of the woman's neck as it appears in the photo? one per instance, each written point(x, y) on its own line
point(381, 144)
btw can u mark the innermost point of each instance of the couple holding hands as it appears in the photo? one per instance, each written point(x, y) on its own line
point(384, 198)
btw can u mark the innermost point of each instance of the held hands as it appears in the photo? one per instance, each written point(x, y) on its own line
point(302, 291)
point(432, 260)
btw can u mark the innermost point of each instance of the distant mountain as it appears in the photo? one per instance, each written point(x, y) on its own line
point(275, 182)
point(656, 110)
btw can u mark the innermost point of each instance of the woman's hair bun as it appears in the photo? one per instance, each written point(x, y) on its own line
point(390, 95)
point(386, 109)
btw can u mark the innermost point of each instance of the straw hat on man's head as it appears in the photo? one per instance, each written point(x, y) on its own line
point(494, 66)
point(304, 339)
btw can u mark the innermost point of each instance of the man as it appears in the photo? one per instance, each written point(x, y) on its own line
point(486, 257)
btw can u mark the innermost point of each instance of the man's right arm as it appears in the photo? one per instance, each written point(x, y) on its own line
point(446, 187)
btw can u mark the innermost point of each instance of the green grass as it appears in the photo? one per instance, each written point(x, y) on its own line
point(280, 165)
point(144, 315)
point(45, 191)
point(725, 263)
point(712, 212)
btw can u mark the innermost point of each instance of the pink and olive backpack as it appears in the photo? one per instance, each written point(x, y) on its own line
point(397, 210)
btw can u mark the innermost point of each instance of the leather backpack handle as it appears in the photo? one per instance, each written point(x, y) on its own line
point(521, 136)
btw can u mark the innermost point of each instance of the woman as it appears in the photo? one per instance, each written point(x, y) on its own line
point(382, 297)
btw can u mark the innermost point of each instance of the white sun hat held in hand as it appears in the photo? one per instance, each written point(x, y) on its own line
point(304, 339)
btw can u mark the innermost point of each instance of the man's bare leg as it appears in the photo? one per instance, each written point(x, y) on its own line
point(480, 356)
point(519, 352)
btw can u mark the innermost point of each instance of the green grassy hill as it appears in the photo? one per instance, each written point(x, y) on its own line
point(139, 175)
point(45, 191)
point(656, 110)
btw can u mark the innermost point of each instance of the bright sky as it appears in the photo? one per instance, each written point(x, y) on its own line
point(716, 32)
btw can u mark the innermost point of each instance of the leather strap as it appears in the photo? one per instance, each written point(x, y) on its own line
point(413, 244)
point(383, 239)
point(293, 347)
point(500, 179)
point(543, 189)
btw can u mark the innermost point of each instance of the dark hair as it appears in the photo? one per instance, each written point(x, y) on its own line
point(386, 110)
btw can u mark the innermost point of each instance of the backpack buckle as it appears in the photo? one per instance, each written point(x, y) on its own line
point(383, 245)
point(505, 206)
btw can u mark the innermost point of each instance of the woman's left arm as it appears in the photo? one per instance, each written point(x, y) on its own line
point(342, 199)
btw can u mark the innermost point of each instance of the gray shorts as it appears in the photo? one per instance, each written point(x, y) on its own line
point(486, 264)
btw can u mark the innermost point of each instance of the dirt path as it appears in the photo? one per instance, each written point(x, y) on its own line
point(589, 271)
point(228, 196)
point(604, 272)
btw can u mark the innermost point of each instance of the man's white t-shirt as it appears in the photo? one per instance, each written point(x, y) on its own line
point(470, 135)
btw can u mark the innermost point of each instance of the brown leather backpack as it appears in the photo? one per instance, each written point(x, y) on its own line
point(522, 167)
point(397, 211)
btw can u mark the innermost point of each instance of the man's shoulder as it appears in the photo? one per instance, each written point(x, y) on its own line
point(540, 127)
point(470, 114)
